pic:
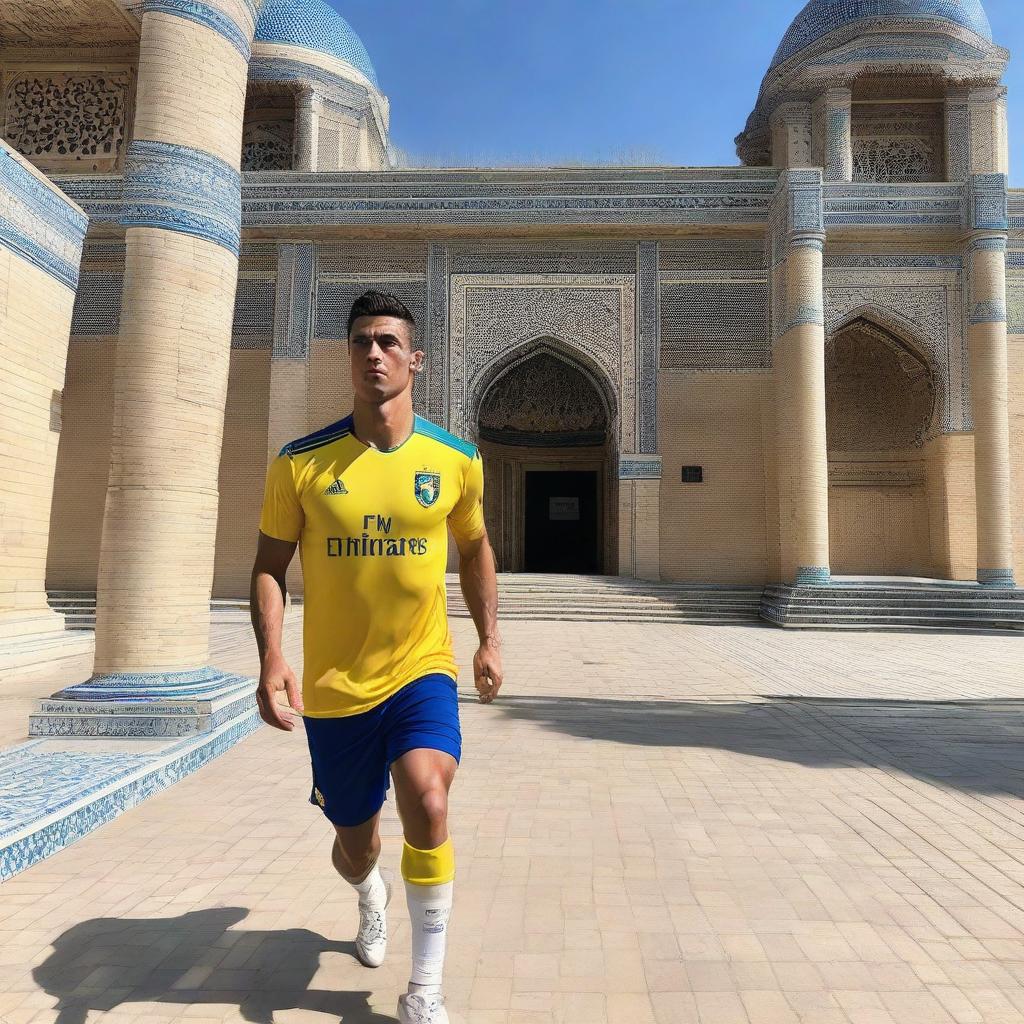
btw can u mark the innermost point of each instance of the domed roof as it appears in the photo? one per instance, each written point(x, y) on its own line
point(315, 25)
point(820, 17)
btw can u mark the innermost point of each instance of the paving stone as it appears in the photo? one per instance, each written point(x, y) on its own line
point(725, 824)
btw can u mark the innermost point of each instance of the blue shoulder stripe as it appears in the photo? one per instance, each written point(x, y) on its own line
point(436, 433)
point(319, 438)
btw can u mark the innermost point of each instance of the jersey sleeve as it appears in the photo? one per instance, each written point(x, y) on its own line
point(466, 519)
point(282, 517)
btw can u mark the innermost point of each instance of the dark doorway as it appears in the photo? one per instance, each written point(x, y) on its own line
point(562, 522)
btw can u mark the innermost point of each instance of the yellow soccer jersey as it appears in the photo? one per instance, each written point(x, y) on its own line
point(372, 528)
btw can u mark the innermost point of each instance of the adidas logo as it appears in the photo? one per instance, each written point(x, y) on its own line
point(337, 488)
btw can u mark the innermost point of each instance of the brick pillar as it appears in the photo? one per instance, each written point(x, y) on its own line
point(639, 516)
point(987, 344)
point(41, 235)
point(799, 362)
point(833, 121)
point(308, 106)
point(790, 125)
point(182, 215)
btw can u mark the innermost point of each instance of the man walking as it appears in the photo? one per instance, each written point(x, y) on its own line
point(370, 499)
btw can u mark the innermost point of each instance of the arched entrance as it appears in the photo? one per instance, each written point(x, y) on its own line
point(544, 421)
point(880, 405)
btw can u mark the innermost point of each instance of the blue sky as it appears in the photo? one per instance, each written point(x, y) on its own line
point(577, 81)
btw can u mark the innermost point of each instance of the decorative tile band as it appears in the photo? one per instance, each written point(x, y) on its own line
point(807, 242)
point(997, 243)
point(813, 576)
point(838, 125)
point(293, 304)
point(1003, 578)
point(803, 315)
point(633, 467)
point(182, 189)
point(989, 202)
point(991, 312)
point(805, 201)
point(129, 687)
point(208, 16)
point(647, 334)
point(38, 224)
point(50, 799)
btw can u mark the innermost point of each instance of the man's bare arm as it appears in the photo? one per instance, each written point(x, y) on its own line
point(480, 588)
point(266, 608)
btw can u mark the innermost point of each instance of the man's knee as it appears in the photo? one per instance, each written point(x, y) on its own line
point(353, 858)
point(434, 805)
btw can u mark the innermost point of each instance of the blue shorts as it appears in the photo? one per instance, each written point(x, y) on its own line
point(352, 756)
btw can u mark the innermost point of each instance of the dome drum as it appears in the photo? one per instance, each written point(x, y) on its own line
point(900, 46)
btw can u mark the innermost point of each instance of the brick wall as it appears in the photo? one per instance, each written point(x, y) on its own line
point(716, 531)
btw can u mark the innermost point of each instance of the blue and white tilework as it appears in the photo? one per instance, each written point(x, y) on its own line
point(210, 16)
point(50, 798)
point(648, 329)
point(182, 189)
point(314, 25)
point(988, 202)
point(813, 576)
point(38, 224)
point(293, 303)
point(820, 17)
point(640, 467)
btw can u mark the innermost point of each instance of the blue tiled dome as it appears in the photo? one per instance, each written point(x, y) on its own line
point(820, 17)
point(315, 25)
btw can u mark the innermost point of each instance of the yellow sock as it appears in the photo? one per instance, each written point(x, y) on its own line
point(429, 867)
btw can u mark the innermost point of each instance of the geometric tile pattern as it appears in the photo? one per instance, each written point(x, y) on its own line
point(820, 17)
point(49, 798)
point(314, 25)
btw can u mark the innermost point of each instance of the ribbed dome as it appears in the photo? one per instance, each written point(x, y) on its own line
point(820, 17)
point(315, 25)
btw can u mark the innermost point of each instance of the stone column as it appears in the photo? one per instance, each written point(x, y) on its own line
point(308, 107)
point(182, 212)
point(833, 122)
point(976, 132)
point(799, 361)
point(41, 235)
point(790, 126)
point(639, 516)
point(987, 344)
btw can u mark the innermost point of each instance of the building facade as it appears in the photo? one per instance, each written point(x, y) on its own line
point(807, 366)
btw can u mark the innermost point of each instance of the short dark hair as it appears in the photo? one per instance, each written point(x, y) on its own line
point(380, 304)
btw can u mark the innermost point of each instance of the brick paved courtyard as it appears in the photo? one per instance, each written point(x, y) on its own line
point(668, 824)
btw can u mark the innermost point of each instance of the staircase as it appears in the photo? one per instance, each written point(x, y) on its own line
point(77, 606)
point(843, 604)
point(893, 604)
point(612, 599)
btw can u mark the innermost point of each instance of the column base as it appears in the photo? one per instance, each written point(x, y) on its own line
point(157, 705)
point(813, 576)
point(997, 578)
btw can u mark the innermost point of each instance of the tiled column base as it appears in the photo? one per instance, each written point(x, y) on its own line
point(58, 790)
point(153, 706)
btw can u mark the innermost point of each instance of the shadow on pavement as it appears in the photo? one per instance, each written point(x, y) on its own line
point(976, 746)
point(194, 959)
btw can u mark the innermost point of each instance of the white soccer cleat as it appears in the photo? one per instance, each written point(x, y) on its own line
point(372, 937)
point(414, 1008)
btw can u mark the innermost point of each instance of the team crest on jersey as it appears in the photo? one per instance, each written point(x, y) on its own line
point(428, 488)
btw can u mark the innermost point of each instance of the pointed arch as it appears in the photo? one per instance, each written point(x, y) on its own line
point(560, 350)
